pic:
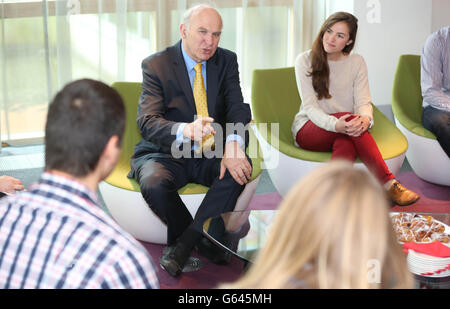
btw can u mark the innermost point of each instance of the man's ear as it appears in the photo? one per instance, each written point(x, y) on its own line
point(112, 146)
point(183, 31)
point(111, 154)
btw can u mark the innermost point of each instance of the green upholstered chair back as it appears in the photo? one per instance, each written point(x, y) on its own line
point(407, 95)
point(275, 99)
point(130, 92)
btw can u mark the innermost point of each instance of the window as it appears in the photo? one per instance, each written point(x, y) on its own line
point(45, 44)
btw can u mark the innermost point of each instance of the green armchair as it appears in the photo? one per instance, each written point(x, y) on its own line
point(122, 195)
point(426, 157)
point(275, 102)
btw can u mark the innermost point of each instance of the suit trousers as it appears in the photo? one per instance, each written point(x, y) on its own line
point(438, 122)
point(160, 179)
point(343, 146)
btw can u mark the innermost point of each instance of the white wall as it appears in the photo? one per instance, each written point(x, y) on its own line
point(440, 14)
point(339, 5)
point(388, 29)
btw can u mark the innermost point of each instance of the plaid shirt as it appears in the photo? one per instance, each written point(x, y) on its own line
point(57, 236)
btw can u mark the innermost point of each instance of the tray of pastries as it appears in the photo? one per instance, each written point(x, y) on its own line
point(419, 228)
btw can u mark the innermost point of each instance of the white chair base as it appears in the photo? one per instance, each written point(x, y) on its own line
point(131, 212)
point(426, 157)
point(285, 171)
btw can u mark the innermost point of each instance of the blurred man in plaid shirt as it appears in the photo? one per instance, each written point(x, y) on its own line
point(55, 235)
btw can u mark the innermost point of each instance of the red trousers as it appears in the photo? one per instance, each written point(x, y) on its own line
point(342, 146)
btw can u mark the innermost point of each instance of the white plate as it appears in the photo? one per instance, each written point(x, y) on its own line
point(426, 274)
point(421, 264)
point(429, 258)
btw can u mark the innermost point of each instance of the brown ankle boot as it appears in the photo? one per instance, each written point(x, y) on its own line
point(400, 195)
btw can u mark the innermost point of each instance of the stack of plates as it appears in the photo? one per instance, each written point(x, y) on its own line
point(427, 265)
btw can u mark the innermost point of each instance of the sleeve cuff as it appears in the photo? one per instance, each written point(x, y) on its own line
point(235, 138)
point(180, 138)
point(371, 121)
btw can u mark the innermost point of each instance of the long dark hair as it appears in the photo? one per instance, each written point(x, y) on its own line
point(320, 71)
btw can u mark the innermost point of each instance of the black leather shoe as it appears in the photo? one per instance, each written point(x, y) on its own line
point(213, 253)
point(168, 263)
point(192, 263)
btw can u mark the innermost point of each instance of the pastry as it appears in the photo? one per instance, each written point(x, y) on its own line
point(413, 227)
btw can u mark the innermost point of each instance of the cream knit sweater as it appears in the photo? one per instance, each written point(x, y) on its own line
point(349, 90)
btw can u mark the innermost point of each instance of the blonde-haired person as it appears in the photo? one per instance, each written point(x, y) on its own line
point(332, 231)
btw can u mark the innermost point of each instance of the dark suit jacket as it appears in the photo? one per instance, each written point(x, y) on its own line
point(167, 99)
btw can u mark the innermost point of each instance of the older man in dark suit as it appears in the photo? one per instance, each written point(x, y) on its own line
point(190, 91)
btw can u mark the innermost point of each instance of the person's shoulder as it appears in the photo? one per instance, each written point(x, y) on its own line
point(357, 60)
point(356, 57)
point(223, 59)
point(444, 30)
point(225, 51)
point(161, 58)
point(109, 229)
point(303, 59)
point(303, 56)
point(443, 33)
point(110, 232)
point(438, 38)
point(223, 54)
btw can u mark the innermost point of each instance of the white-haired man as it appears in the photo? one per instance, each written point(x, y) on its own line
point(188, 90)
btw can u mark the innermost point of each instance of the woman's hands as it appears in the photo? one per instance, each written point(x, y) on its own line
point(352, 124)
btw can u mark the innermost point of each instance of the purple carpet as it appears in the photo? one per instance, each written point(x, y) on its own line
point(434, 198)
point(211, 275)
